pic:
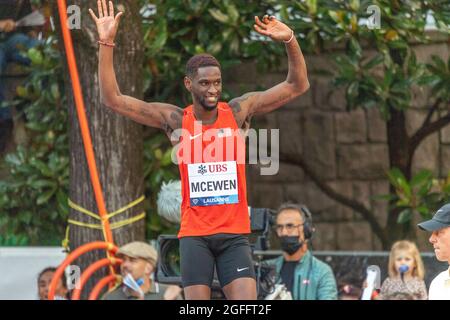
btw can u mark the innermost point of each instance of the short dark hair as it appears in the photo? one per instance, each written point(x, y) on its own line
point(199, 61)
point(53, 269)
point(292, 206)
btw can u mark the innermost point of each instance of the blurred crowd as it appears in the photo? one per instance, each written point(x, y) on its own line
point(299, 275)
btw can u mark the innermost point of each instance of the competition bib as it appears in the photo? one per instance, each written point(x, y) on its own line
point(213, 183)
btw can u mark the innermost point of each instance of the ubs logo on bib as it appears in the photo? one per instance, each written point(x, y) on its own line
point(217, 168)
point(202, 169)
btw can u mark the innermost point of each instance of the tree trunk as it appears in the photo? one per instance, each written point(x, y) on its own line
point(117, 141)
point(400, 157)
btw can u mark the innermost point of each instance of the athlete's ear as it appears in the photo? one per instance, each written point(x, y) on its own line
point(188, 83)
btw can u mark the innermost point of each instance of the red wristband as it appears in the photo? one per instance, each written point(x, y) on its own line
point(112, 45)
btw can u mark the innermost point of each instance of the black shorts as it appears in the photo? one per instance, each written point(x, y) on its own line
point(230, 253)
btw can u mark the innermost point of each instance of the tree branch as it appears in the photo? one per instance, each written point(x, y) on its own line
point(431, 112)
point(428, 129)
point(297, 160)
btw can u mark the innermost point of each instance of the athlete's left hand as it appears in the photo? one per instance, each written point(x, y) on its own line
point(271, 27)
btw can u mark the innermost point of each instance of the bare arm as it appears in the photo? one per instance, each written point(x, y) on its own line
point(159, 115)
point(296, 83)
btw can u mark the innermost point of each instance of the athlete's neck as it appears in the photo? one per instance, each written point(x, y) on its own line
point(205, 116)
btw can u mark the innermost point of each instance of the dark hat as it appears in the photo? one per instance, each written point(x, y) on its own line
point(441, 219)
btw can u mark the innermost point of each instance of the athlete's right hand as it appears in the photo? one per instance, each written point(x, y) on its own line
point(107, 24)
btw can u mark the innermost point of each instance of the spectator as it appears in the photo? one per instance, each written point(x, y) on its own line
point(406, 273)
point(306, 277)
point(439, 225)
point(12, 40)
point(44, 280)
point(139, 261)
point(348, 289)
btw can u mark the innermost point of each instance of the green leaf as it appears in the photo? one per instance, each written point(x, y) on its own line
point(35, 56)
point(26, 217)
point(374, 61)
point(55, 91)
point(233, 13)
point(354, 4)
point(38, 184)
point(395, 175)
point(218, 15)
point(352, 90)
point(404, 216)
point(43, 198)
point(167, 158)
point(312, 6)
point(421, 177)
point(355, 47)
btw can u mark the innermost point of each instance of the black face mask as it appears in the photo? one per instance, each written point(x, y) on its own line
point(290, 244)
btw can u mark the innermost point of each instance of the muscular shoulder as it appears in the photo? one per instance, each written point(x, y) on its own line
point(241, 107)
point(173, 120)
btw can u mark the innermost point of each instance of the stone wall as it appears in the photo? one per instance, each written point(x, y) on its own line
point(347, 149)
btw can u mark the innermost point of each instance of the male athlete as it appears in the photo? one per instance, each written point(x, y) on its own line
point(214, 211)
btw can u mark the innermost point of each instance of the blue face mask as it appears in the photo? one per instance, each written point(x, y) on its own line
point(140, 281)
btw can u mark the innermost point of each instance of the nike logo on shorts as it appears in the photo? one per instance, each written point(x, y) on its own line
point(193, 137)
point(241, 269)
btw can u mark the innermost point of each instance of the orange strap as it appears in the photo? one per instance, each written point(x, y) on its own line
point(85, 133)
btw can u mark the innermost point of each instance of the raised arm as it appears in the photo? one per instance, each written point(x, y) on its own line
point(154, 114)
point(296, 83)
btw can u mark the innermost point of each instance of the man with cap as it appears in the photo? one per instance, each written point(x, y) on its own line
point(139, 262)
point(439, 225)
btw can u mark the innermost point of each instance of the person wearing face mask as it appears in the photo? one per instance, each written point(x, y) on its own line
point(305, 277)
point(138, 266)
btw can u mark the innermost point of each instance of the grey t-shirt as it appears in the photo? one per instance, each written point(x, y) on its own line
point(156, 292)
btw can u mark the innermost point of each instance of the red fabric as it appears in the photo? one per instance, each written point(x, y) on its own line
point(214, 219)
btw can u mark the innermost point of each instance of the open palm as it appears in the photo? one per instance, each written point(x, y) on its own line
point(107, 23)
point(271, 27)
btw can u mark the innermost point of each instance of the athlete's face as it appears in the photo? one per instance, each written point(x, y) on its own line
point(205, 87)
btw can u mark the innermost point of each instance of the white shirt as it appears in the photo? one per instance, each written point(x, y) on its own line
point(440, 287)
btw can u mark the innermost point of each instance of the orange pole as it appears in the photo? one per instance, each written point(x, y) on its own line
point(85, 133)
point(90, 271)
point(100, 285)
point(74, 255)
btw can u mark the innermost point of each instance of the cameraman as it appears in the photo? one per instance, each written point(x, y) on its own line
point(306, 277)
